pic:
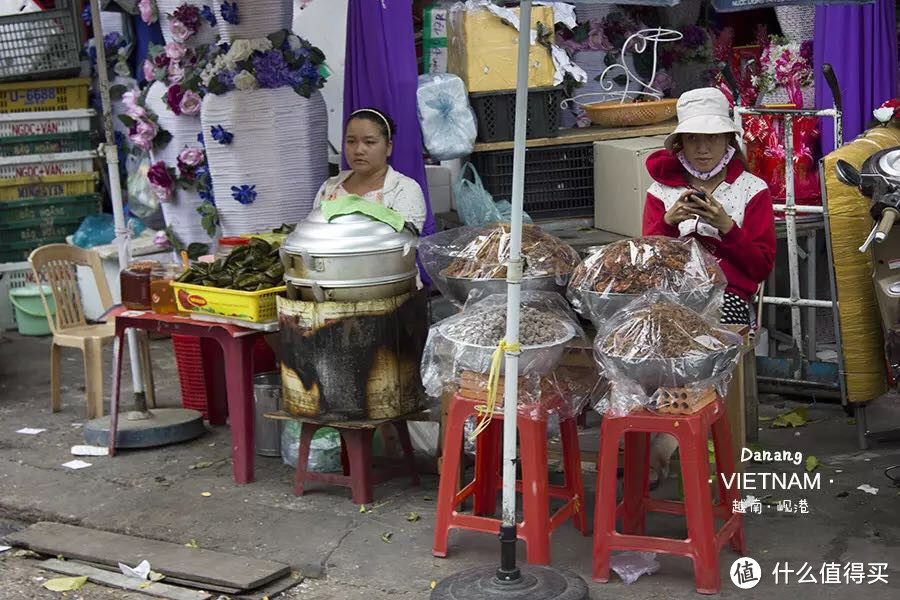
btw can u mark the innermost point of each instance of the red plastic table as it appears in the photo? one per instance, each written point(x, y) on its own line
point(237, 350)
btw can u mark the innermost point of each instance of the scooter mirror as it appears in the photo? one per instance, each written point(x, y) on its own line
point(847, 173)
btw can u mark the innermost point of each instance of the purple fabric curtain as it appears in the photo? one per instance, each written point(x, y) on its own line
point(860, 42)
point(381, 71)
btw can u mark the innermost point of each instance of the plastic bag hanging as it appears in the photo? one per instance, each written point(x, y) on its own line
point(448, 122)
point(657, 347)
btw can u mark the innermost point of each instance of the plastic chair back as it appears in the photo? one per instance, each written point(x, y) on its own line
point(56, 264)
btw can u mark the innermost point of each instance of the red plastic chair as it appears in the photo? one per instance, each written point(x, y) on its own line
point(538, 524)
point(703, 542)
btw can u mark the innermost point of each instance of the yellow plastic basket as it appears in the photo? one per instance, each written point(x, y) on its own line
point(48, 186)
point(35, 96)
point(256, 307)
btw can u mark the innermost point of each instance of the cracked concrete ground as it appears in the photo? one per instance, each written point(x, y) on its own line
point(156, 494)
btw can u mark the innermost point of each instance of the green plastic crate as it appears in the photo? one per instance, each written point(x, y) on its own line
point(19, 251)
point(38, 211)
point(38, 231)
point(45, 144)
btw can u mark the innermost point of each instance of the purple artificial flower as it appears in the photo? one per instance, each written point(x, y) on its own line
point(220, 135)
point(226, 78)
point(229, 12)
point(200, 139)
point(246, 194)
point(207, 13)
point(271, 69)
point(86, 17)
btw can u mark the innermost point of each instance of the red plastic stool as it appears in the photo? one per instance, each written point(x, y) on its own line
point(538, 523)
point(356, 456)
point(703, 542)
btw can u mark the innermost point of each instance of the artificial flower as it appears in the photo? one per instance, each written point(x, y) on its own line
point(229, 12)
point(173, 98)
point(201, 140)
point(175, 73)
point(148, 11)
point(241, 50)
point(245, 81)
point(220, 135)
point(161, 179)
point(113, 40)
point(884, 114)
point(189, 15)
point(139, 139)
point(160, 240)
point(190, 103)
point(149, 71)
point(175, 51)
point(192, 157)
point(207, 13)
point(245, 194)
point(180, 32)
point(160, 193)
point(86, 17)
point(271, 69)
point(122, 69)
point(294, 42)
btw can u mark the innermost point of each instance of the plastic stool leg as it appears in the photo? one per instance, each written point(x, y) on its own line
point(359, 452)
point(698, 509)
point(307, 431)
point(487, 467)
point(409, 455)
point(636, 483)
point(535, 490)
point(721, 432)
point(605, 505)
point(345, 460)
point(447, 487)
point(568, 430)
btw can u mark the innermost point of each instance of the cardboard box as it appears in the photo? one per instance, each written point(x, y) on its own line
point(621, 182)
point(483, 50)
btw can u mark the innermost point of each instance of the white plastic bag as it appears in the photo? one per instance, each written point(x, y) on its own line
point(447, 120)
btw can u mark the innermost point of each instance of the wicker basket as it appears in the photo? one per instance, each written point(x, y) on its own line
point(631, 114)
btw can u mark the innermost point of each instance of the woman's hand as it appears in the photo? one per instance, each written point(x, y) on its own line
point(680, 211)
point(711, 211)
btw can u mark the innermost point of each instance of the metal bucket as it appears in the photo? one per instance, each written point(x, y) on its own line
point(267, 399)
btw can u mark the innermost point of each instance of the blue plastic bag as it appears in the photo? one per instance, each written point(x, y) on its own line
point(475, 204)
point(447, 120)
point(97, 230)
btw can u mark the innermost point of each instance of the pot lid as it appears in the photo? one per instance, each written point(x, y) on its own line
point(347, 234)
point(889, 163)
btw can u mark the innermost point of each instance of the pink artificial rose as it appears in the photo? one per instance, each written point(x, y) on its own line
point(149, 71)
point(175, 51)
point(161, 193)
point(180, 32)
point(148, 128)
point(160, 176)
point(136, 112)
point(192, 157)
point(161, 240)
point(176, 72)
point(190, 103)
point(148, 11)
point(141, 141)
point(130, 98)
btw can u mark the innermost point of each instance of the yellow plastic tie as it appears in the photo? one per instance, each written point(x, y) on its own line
point(486, 411)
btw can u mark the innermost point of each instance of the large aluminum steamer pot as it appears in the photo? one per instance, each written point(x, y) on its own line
point(358, 290)
point(349, 248)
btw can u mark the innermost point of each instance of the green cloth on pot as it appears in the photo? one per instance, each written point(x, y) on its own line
point(346, 205)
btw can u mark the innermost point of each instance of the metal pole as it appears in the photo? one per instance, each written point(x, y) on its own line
point(508, 570)
point(790, 218)
point(111, 153)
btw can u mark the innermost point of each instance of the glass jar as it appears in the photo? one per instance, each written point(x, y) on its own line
point(227, 244)
point(162, 295)
point(135, 283)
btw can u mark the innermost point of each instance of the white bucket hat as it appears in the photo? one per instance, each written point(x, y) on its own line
point(704, 110)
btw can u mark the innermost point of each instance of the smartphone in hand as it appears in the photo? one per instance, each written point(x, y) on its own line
point(698, 197)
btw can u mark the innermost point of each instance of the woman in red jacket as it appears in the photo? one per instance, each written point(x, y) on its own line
point(702, 189)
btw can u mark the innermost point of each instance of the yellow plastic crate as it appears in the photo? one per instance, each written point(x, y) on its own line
point(256, 307)
point(48, 186)
point(35, 96)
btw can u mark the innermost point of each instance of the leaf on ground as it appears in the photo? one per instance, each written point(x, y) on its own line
point(192, 544)
point(26, 554)
point(812, 463)
point(362, 509)
point(433, 584)
point(206, 494)
point(791, 418)
point(412, 517)
point(204, 464)
point(764, 419)
point(65, 584)
point(427, 498)
point(154, 576)
point(60, 557)
point(711, 449)
point(386, 537)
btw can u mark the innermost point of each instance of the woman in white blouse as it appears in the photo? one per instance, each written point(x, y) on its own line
point(367, 148)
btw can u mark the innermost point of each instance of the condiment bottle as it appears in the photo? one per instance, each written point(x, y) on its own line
point(135, 283)
point(162, 296)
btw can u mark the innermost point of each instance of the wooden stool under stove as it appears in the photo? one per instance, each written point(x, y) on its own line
point(357, 437)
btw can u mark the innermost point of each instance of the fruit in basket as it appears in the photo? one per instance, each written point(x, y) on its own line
point(251, 267)
point(485, 256)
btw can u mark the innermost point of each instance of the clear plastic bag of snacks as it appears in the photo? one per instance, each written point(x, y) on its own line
point(471, 261)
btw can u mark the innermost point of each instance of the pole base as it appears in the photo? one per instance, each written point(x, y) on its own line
point(166, 426)
point(536, 583)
